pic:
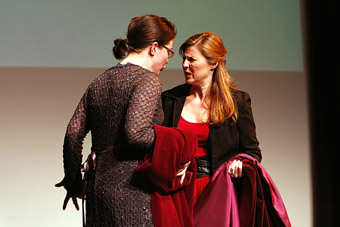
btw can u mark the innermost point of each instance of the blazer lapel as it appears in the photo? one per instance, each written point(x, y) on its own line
point(178, 106)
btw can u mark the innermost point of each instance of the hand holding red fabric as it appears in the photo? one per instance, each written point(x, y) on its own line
point(171, 171)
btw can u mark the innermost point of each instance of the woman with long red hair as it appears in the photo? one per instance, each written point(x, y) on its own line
point(228, 152)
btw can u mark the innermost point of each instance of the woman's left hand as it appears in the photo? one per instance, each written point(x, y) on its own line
point(182, 170)
point(235, 168)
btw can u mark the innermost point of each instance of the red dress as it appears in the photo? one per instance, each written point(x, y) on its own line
point(202, 132)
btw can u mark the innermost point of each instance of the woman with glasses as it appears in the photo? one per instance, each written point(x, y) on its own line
point(120, 108)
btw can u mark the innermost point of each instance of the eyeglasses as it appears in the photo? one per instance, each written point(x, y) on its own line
point(171, 53)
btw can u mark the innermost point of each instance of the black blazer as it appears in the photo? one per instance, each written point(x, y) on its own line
point(225, 140)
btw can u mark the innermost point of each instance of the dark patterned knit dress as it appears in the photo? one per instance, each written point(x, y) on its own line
point(119, 108)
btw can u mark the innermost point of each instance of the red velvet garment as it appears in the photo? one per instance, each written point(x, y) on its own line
point(171, 202)
point(252, 200)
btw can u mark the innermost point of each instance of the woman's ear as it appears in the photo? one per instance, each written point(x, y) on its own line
point(213, 66)
point(153, 48)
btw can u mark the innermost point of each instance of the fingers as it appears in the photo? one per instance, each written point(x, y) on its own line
point(235, 168)
point(182, 170)
point(67, 198)
point(182, 174)
point(184, 167)
point(187, 164)
point(75, 202)
point(60, 184)
point(182, 178)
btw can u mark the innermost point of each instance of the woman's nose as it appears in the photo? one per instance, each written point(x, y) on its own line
point(185, 63)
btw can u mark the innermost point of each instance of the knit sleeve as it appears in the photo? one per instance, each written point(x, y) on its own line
point(73, 145)
point(144, 102)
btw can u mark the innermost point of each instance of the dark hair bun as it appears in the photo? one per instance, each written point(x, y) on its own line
point(120, 48)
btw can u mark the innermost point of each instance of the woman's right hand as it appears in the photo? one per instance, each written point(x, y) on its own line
point(182, 170)
point(68, 196)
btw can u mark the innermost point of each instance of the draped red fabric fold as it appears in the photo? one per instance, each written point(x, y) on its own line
point(171, 201)
point(257, 193)
point(252, 200)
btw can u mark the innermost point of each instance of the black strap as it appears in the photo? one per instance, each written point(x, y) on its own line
point(84, 187)
point(88, 167)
